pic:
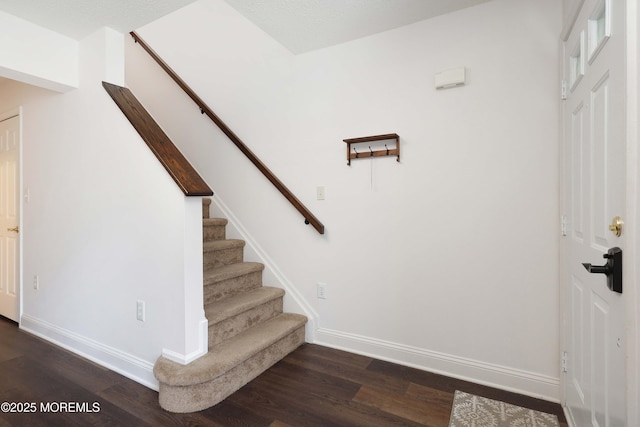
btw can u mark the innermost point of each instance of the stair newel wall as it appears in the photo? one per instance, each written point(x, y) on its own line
point(196, 324)
point(192, 185)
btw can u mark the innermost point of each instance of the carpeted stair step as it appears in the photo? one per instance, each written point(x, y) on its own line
point(233, 315)
point(232, 279)
point(217, 253)
point(248, 332)
point(228, 366)
point(214, 229)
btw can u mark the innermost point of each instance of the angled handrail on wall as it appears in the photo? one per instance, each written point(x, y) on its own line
point(204, 109)
point(182, 172)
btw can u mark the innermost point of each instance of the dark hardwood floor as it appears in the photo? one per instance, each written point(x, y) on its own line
point(313, 386)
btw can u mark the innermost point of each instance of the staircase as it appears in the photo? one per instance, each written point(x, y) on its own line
point(248, 332)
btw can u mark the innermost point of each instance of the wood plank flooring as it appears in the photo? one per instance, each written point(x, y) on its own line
point(313, 386)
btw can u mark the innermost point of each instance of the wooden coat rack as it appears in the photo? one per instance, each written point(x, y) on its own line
point(394, 151)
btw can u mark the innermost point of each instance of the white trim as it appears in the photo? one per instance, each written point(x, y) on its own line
point(502, 377)
point(203, 347)
point(10, 114)
point(592, 26)
point(291, 292)
point(570, 19)
point(21, 203)
point(633, 213)
point(118, 361)
point(17, 112)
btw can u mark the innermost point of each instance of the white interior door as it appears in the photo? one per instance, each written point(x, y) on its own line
point(9, 218)
point(594, 193)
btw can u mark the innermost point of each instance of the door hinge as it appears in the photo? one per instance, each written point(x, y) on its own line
point(563, 90)
point(563, 225)
point(564, 362)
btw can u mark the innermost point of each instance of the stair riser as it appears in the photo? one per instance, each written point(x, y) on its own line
point(234, 325)
point(204, 395)
point(230, 287)
point(222, 257)
point(214, 232)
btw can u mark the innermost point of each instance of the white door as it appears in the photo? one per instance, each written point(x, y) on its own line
point(9, 218)
point(594, 193)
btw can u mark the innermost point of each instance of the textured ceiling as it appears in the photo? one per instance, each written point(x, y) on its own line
point(79, 18)
point(299, 25)
point(304, 25)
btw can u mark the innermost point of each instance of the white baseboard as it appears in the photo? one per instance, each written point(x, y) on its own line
point(203, 347)
point(568, 416)
point(501, 377)
point(125, 364)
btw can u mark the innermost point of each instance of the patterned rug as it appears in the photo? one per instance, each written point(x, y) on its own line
point(475, 411)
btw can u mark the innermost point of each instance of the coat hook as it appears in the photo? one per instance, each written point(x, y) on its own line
point(355, 151)
point(385, 146)
point(201, 110)
point(371, 151)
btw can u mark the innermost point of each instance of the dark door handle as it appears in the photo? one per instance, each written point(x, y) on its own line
point(612, 269)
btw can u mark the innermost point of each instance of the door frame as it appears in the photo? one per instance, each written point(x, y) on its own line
point(17, 112)
point(631, 274)
point(633, 198)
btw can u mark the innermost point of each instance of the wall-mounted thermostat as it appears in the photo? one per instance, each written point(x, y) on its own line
point(450, 78)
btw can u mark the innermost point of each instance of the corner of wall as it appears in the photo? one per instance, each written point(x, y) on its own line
point(201, 347)
point(103, 55)
point(196, 324)
point(37, 56)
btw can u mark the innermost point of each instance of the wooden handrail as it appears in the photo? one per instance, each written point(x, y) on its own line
point(204, 109)
point(168, 154)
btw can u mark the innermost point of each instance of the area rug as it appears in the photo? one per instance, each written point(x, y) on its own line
point(475, 411)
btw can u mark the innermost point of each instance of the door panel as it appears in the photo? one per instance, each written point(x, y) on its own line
point(599, 144)
point(600, 366)
point(577, 190)
point(9, 218)
point(577, 371)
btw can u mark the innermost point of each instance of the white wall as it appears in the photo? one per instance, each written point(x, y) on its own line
point(35, 55)
point(447, 260)
point(104, 226)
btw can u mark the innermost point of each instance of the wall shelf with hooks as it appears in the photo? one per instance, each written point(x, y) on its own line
point(363, 154)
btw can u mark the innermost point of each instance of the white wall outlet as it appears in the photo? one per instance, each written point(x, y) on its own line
point(322, 290)
point(36, 282)
point(140, 310)
point(320, 192)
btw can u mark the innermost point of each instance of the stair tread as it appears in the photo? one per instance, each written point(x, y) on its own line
point(217, 245)
point(229, 354)
point(231, 306)
point(218, 274)
point(214, 221)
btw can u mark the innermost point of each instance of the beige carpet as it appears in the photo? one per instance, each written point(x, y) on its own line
point(475, 411)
